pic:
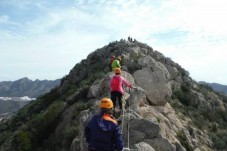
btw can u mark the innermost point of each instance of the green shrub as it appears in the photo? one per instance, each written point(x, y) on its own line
point(26, 113)
point(79, 66)
point(224, 98)
point(80, 106)
point(206, 86)
point(72, 89)
point(213, 127)
point(23, 141)
point(4, 136)
point(199, 121)
point(178, 106)
point(184, 72)
point(22, 115)
point(183, 140)
point(44, 122)
point(185, 87)
point(183, 97)
point(223, 114)
point(218, 142)
point(223, 136)
point(70, 134)
point(159, 120)
point(50, 97)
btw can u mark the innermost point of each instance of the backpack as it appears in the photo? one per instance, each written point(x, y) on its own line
point(116, 83)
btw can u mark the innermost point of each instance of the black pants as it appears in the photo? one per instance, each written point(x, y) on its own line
point(115, 95)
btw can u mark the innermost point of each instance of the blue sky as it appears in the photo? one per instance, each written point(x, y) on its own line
point(44, 39)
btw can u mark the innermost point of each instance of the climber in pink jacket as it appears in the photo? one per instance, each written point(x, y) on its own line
point(116, 89)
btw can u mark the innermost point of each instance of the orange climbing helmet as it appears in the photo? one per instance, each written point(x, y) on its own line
point(117, 70)
point(106, 103)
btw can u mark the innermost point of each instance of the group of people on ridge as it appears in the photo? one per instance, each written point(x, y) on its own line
point(102, 131)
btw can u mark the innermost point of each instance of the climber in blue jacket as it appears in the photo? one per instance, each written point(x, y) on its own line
point(102, 131)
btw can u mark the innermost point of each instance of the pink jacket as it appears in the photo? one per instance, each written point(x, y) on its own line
point(116, 83)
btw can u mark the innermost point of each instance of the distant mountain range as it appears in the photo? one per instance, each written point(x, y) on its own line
point(26, 87)
point(12, 104)
point(16, 94)
point(216, 86)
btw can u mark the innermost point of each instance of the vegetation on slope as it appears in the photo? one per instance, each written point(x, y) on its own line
point(214, 121)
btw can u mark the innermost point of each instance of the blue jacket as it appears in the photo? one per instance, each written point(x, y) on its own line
point(103, 133)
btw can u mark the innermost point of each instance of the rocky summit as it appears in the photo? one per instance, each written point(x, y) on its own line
point(166, 111)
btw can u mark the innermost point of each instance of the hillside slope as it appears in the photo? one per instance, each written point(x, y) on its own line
point(168, 110)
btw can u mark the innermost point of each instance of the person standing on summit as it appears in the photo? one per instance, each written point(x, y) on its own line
point(116, 63)
point(116, 88)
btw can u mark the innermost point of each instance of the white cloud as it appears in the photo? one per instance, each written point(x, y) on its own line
point(206, 17)
point(70, 33)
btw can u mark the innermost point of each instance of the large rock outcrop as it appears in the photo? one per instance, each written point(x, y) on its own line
point(156, 126)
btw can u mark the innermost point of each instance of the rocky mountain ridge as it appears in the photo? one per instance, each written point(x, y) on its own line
point(168, 111)
point(26, 87)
